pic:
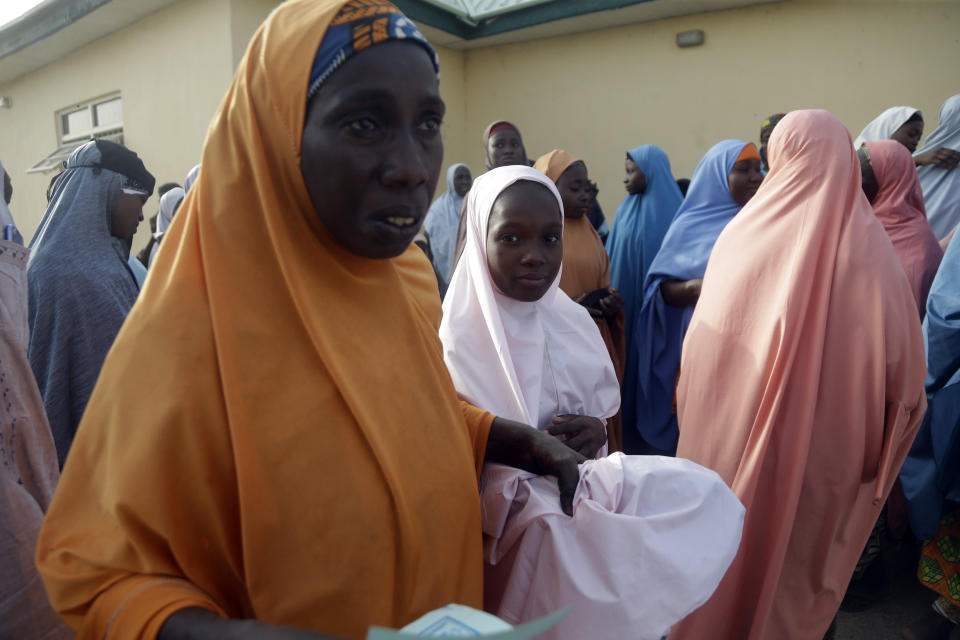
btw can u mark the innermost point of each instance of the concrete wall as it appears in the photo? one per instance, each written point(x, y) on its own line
point(245, 18)
point(453, 90)
point(171, 69)
point(597, 94)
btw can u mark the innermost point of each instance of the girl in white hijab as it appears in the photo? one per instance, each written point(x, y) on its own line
point(650, 537)
point(169, 204)
point(904, 124)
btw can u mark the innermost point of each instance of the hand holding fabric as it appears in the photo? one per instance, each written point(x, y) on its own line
point(942, 157)
point(519, 445)
point(583, 434)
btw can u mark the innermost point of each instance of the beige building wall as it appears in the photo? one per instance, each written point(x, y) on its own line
point(453, 90)
point(171, 69)
point(600, 93)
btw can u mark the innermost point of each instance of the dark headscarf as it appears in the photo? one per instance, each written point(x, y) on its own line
point(80, 285)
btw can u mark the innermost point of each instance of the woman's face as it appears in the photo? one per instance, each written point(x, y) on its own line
point(462, 181)
point(524, 241)
point(744, 180)
point(505, 148)
point(909, 134)
point(127, 215)
point(372, 150)
point(634, 181)
point(572, 186)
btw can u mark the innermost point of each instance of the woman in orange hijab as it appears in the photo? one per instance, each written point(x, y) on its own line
point(586, 265)
point(299, 456)
point(801, 384)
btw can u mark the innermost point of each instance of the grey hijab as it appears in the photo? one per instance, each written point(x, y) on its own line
point(80, 290)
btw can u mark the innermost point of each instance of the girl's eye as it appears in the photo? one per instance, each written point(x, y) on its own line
point(362, 126)
point(509, 238)
point(430, 125)
point(551, 238)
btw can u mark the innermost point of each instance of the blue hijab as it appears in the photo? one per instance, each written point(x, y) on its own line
point(441, 224)
point(660, 328)
point(931, 473)
point(638, 229)
point(641, 223)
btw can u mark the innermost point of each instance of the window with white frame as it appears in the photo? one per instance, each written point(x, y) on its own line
point(98, 118)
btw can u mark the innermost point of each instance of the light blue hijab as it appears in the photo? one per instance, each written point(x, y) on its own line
point(941, 188)
point(441, 225)
point(660, 328)
point(931, 473)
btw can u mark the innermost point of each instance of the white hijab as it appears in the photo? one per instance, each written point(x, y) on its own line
point(168, 206)
point(941, 188)
point(884, 125)
point(494, 346)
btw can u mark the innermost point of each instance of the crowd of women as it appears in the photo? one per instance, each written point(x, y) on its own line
point(328, 404)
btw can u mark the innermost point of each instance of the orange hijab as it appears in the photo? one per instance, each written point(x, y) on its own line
point(586, 266)
point(298, 454)
point(801, 384)
point(899, 208)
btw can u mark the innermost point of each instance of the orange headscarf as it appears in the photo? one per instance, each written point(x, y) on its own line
point(899, 208)
point(749, 153)
point(801, 384)
point(586, 268)
point(298, 454)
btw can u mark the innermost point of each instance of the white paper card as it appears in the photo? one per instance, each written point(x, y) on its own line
point(458, 621)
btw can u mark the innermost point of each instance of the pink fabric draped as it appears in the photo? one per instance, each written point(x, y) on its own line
point(801, 384)
point(899, 208)
point(29, 471)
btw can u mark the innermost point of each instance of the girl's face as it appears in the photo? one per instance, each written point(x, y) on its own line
point(505, 148)
point(909, 134)
point(744, 180)
point(634, 181)
point(524, 241)
point(572, 185)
